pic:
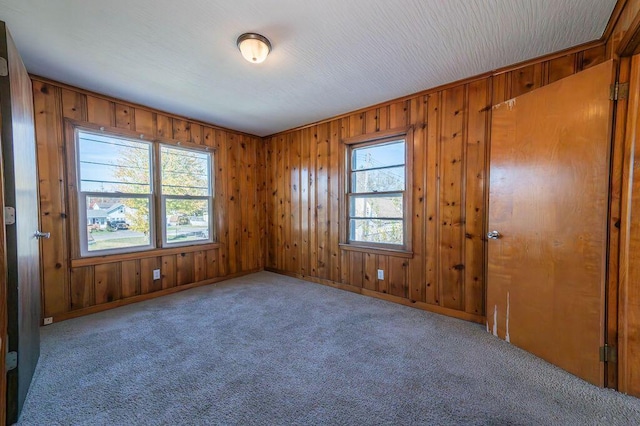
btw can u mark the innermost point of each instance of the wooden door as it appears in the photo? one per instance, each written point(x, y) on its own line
point(20, 184)
point(548, 198)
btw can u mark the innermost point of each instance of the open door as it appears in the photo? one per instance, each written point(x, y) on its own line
point(548, 201)
point(20, 246)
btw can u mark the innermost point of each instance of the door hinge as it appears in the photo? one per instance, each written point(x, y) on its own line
point(619, 91)
point(9, 216)
point(4, 68)
point(608, 354)
point(11, 361)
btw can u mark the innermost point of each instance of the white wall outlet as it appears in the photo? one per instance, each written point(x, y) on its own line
point(156, 274)
point(48, 320)
point(381, 274)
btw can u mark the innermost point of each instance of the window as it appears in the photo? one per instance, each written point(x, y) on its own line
point(376, 202)
point(117, 196)
point(186, 195)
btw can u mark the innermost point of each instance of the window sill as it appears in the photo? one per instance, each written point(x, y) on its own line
point(109, 258)
point(377, 250)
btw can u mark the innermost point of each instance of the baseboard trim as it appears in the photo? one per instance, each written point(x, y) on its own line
point(142, 297)
point(388, 297)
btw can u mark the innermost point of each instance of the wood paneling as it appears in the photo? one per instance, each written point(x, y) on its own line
point(448, 190)
point(130, 278)
point(82, 294)
point(107, 282)
point(629, 241)
point(239, 212)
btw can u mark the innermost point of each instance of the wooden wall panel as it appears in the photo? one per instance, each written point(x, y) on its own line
point(82, 295)
point(476, 156)
point(71, 285)
point(51, 167)
point(417, 190)
point(124, 117)
point(147, 283)
point(145, 122)
point(130, 278)
point(100, 111)
point(448, 190)
point(451, 160)
point(185, 271)
point(107, 282)
point(168, 271)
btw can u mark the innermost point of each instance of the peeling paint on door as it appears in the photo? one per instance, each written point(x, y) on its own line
point(507, 337)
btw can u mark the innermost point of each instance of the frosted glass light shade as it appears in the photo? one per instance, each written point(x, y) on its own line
point(254, 47)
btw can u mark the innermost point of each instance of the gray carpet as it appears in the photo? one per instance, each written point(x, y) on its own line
point(272, 350)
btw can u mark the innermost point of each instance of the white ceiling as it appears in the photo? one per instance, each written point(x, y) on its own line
point(329, 56)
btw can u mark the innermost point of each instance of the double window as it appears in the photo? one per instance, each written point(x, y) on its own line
point(121, 208)
point(376, 193)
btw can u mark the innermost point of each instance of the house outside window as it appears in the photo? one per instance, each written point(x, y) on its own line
point(117, 194)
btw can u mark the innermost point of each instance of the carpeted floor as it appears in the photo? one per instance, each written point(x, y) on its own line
point(272, 350)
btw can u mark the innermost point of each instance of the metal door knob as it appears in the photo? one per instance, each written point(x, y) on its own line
point(494, 235)
point(45, 235)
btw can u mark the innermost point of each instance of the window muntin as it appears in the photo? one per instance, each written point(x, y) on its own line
point(376, 193)
point(115, 194)
point(186, 194)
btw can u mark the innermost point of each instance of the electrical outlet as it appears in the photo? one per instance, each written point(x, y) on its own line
point(156, 274)
point(381, 274)
point(48, 320)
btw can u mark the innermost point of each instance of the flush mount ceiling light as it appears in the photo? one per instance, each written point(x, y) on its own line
point(254, 47)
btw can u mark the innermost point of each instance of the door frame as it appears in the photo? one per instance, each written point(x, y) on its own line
point(625, 128)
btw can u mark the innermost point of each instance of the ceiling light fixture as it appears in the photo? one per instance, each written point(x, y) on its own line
point(254, 47)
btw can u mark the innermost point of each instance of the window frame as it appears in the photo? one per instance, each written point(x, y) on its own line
point(83, 241)
point(79, 253)
point(349, 146)
point(163, 198)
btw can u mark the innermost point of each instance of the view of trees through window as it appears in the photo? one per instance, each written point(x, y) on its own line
point(116, 193)
point(376, 195)
point(186, 194)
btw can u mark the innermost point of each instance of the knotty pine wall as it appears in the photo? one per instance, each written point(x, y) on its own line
point(449, 189)
point(73, 286)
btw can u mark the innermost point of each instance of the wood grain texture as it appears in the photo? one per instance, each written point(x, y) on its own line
point(239, 169)
point(629, 240)
point(82, 290)
point(549, 200)
point(53, 208)
point(448, 188)
point(130, 278)
point(107, 283)
point(21, 251)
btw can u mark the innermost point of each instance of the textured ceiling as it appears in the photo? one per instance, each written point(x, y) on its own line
point(329, 56)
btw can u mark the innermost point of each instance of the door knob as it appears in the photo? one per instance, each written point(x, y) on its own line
point(494, 235)
point(45, 235)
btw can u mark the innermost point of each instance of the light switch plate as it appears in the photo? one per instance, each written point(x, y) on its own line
point(156, 274)
point(381, 274)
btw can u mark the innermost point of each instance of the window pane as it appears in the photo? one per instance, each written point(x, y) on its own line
point(185, 172)
point(117, 223)
point(187, 220)
point(376, 231)
point(382, 155)
point(382, 180)
point(388, 206)
point(110, 164)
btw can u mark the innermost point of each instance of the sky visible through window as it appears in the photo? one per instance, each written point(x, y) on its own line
point(101, 164)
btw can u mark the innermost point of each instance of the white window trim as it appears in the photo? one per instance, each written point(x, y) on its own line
point(405, 135)
point(209, 198)
point(82, 202)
